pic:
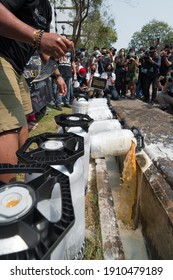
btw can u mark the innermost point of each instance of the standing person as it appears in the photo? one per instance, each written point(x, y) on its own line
point(166, 61)
point(112, 54)
point(104, 59)
point(67, 69)
point(120, 73)
point(24, 29)
point(139, 93)
point(132, 71)
point(150, 67)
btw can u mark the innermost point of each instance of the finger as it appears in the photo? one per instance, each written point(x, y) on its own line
point(67, 42)
point(65, 89)
point(59, 49)
point(62, 45)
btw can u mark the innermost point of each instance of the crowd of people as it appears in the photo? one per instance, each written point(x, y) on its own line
point(145, 74)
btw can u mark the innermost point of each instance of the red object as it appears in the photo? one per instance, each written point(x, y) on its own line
point(82, 71)
point(31, 118)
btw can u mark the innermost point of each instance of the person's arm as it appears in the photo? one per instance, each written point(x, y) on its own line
point(159, 85)
point(156, 63)
point(165, 87)
point(74, 69)
point(51, 43)
point(112, 78)
point(111, 57)
point(135, 61)
point(62, 88)
point(13, 28)
point(167, 62)
point(88, 79)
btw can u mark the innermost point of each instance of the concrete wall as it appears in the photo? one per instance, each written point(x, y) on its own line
point(156, 213)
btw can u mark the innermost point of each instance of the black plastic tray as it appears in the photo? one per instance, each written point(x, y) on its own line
point(66, 120)
point(73, 148)
point(40, 244)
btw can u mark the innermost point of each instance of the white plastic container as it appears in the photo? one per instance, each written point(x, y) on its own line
point(86, 157)
point(52, 210)
point(95, 102)
point(78, 124)
point(65, 150)
point(80, 106)
point(104, 125)
point(70, 246)
point(100, 113)
point(111, 143)
point(74, 240)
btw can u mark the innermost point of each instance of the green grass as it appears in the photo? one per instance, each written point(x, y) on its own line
point(46, 123)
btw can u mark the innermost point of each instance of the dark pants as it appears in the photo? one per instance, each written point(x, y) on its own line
point(120, 84)
point(113, 92)
point(146, 82)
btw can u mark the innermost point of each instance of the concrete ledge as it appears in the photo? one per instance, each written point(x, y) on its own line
point(111, 242)
point(157, 214)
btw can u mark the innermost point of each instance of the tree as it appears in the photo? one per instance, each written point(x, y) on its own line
point(98, 30)
point(85, 16)
point(82, 9)
point(149, 34)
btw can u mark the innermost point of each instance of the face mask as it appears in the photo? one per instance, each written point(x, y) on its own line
point(92, 71)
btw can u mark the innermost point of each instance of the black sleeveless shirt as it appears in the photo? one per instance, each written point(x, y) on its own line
point(36, 13)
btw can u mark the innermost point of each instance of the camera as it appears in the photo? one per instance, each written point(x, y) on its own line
point(146, 55)
point(97, 53)
point(129, 56)
point(109, 74)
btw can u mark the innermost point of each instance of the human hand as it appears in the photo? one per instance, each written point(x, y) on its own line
point(55, 45)
point(62, 88)
point(161, 78)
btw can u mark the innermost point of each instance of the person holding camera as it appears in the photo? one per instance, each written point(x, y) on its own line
point(120, 73)
point(131, 65)
point(104, 59)
point(109, 75)
point(166, 61)
point(165, 93)
point(92, 72)
point(150, 66)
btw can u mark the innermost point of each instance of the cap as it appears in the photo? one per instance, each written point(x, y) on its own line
point(82, 71)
